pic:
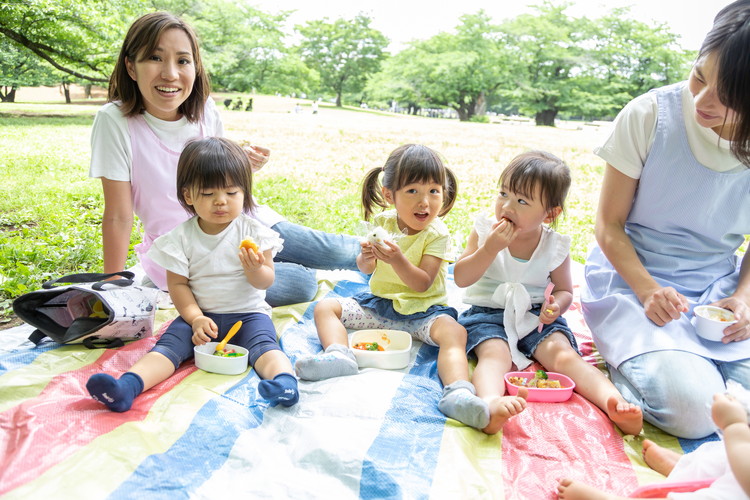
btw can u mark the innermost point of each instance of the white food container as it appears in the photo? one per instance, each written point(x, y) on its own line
point(396, 349)
point(205, 359)
point(710, 321)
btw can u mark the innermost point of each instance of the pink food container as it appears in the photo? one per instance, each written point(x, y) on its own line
point(542, 395)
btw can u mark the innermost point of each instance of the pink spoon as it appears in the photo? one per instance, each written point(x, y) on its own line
point(547, 293)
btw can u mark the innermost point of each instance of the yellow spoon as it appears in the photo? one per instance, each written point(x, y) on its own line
point(235, 328)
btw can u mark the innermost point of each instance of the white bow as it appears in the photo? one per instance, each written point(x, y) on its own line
point(517, 319)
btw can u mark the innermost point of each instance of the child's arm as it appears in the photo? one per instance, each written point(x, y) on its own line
point(476, 259)
point(661, 304)
point(731, 418)
point(562, 294)
point(419, 278)
point(366, 261)
point(258, 267)
point(204, 329)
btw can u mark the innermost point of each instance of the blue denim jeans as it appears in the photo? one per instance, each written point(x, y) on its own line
point(306, 250)
point(675, 389)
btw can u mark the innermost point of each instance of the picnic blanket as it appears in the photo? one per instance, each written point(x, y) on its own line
point(378, 434)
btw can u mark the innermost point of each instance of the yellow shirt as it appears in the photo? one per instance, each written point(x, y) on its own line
point(433, 240)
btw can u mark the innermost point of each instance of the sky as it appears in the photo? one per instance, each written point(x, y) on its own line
point(403, 21)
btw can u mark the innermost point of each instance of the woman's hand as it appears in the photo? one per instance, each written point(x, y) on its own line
point(258, 156)
point(204, 329)
point(664, 304)
point(741, 329)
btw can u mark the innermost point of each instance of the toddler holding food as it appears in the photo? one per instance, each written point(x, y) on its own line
point(212, 281)
point(509, 260)
point(408, 280)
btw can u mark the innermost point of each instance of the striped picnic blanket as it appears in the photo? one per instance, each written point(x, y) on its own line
point(376, 435)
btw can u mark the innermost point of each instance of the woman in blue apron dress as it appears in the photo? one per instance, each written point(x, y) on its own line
point(674, 209)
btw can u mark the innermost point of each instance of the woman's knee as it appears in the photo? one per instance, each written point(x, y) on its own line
point(293, 284)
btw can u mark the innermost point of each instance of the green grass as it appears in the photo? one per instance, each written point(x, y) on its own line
point(50, 211)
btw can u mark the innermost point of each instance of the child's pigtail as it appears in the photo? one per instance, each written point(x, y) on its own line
point(450, 191)
point(372, 195)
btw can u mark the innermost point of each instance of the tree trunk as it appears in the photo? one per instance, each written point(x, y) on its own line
point(338, 100)
point(480, 107)
point(546, 117)
point(8, 95)
point(66, 90)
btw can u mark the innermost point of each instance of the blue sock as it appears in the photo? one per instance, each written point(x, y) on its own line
point(116, 394)
point(281, 390)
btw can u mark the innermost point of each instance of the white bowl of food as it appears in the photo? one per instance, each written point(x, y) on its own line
point(710, 321)
point(232, 361)
point(386, 349)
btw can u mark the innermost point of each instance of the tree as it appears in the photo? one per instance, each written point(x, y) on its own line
point(343, 52)
point(75, 37)
point(21, 68)
point(458, 70)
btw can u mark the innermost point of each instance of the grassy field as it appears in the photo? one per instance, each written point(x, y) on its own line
point(50, 211)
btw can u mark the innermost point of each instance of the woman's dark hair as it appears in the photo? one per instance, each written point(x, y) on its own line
point(729, 40)
point(140, 42)
point(538, 168)
point(406, 165)
point(213, 163)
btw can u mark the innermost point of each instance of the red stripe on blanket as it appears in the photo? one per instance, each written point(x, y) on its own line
point(31, 431)
point(550, 441)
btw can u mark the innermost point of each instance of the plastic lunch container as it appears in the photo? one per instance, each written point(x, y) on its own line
point(205, 359)
point(396, 351)
point(543, 395)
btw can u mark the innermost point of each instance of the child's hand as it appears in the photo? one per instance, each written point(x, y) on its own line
point(388, 252)
point(368, 255)
point(550, 311)
point(251, 260)
point(204, 329)
point(501, 235)
point(726, 411)
point(664, 304)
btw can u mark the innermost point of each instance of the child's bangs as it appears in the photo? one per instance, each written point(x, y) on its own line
point(424, 167)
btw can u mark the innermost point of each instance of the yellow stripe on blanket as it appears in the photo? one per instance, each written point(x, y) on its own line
point(112, 457)
point(469, 465)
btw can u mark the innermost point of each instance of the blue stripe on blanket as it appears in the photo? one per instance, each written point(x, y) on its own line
point(689, 445)
point(406, 450)
point(24, 355)
point(189, 462)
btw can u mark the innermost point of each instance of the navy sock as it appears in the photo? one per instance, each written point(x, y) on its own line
point(116, 394)
point(281, 390)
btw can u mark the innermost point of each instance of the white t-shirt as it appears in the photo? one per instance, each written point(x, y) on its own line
point(111, 153)
point(634, 130)
point(211, 263)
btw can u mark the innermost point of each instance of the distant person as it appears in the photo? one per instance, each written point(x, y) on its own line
point(158, 101)
point(671, 217)
point(315, 107)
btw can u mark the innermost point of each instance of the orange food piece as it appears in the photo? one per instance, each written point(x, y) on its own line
point(249, 244)
point(368, 346)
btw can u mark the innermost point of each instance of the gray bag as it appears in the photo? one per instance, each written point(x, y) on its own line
point(89, 310)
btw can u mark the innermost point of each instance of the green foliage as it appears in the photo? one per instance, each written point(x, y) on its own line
point(344, 52)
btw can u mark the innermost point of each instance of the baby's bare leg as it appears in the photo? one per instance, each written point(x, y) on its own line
point(661, 459)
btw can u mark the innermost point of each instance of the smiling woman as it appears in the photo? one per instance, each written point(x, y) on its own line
point(159, 102)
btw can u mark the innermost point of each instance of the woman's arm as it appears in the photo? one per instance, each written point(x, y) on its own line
point(117, 224)
point(661, 304)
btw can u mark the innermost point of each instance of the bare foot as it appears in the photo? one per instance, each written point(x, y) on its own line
point(627, 416)
point(568, 489)
point(502, 408)
point(661, 459)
